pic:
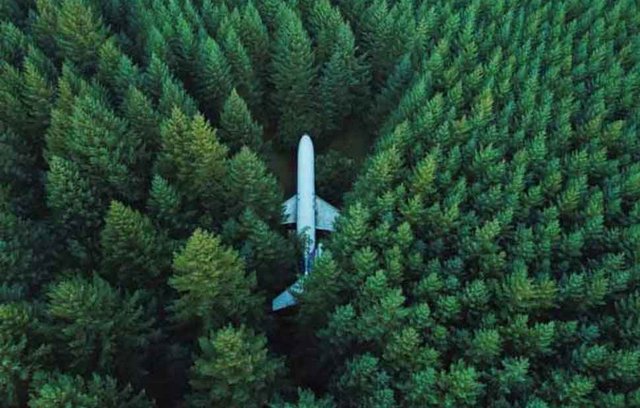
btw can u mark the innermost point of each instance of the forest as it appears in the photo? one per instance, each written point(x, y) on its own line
point(488, 248)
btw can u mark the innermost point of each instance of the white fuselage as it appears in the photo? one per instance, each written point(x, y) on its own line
point(309, 212)
point(306, 200)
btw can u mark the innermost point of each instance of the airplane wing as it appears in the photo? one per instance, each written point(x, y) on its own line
point(290, 208)
point(326, 215)
point(287, 298)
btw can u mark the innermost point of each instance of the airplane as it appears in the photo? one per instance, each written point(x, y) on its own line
point(309, 213)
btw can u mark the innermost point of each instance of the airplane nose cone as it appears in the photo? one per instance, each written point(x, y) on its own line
point(305, 144)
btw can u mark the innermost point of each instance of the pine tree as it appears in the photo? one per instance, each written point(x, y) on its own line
point(144, 121)
point(173, 96)
point(167, 92)
point(214, 76)
point(316, 302)
point(255, 38)
point(334, 175)
point(26, 250)
point(193, 159)
point(237, 127)
point(233, 369)
point(77, 209)
point(246, 79)
point(156, 73)
point(45, 25)
point(375, 29)
point(391, 93)
point(212, 15)
point(134, 254)
point(293, 76)
point(184, 44)
point(103, 147)
point(324, 22)
point(116, 71)
point(38, 94)
point(24, 101)
point(306, 399)
point(269, 12)
point(98, 328)
point(341, 77)
point(14, 44)
point(365, 384)
point(57, 390)
point(79, 34)
point(19, 349)
point(461, 385)
point(11, 107)
point(250, 186)
point(70, 86)
point(212, 283)
point(263, 249)
point(166, 206)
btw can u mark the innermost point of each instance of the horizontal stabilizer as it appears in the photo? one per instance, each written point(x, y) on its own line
point(287, 298)
point(326, 215)
point(290, 208)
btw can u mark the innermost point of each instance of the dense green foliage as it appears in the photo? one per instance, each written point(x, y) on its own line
point(488, 251)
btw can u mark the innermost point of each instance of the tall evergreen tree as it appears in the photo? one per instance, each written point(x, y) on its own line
point(70, 86)
point(250, 186)
point(14, 44)
point(237, 127)
point(334, 175)
point(233, 369)
point(77, 210)
point(255, 38)
point(79, 34)
point(144, 121)
point(45, 25)
point(105, 149)
point(56, 390)
point(246, 79)
point(341, 79)
point(306, 399)
point(115, 70)
point(391, 93)
point(214, 76)
point(324, 22)
point(21, 348)
point(37, 97)
point(193, 159)
point(166, 206)
point(97, 328)
point(212, 284)
point(26, 250)
point(134, 254)
point(293, 75)
point(167, 92)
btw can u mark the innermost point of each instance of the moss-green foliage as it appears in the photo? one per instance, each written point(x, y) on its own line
point(135, 255)
point(293, 76)
point(492, 227)
point(57, 390)
point(210, 280)
point(488, 250)
point(97, 328)
point(232, 369)
point(237, 127)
